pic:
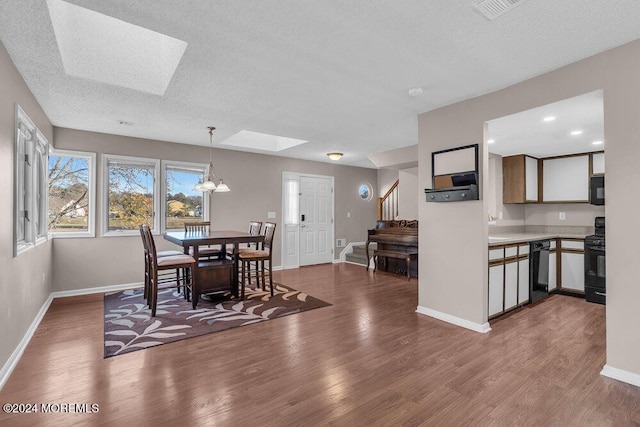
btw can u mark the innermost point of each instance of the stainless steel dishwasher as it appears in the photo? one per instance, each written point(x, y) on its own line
point(539, 269)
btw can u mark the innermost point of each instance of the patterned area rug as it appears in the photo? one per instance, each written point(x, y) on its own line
point(128, 325)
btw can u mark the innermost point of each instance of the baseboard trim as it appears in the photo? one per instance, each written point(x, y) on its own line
point(458, 321)
point(15, 357)
point(621, 375)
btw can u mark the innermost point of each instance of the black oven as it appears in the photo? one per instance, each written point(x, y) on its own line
point(595, 264)
point(596, 190)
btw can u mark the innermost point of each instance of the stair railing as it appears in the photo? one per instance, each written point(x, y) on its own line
point(388, 204)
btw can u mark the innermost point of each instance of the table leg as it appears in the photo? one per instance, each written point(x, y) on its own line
point(236, 253)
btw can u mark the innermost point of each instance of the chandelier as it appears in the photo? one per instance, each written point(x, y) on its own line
point(210, 177)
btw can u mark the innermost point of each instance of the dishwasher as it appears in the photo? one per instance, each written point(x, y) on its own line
point(539, 269)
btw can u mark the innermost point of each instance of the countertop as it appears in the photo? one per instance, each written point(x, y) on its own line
point(504, 237)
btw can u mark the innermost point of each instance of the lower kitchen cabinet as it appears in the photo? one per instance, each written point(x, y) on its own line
point(553, 272)
point(496, 289)
point(508, 278)
point(572, 265)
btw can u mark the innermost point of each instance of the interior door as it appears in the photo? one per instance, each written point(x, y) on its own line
point(316, 220)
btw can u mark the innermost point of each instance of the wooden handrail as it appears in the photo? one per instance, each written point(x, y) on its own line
point(393, 187)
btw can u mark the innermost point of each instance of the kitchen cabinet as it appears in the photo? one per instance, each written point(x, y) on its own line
point(496, 289)
point(519, 179)
point(566, 179)
point(572, 265)
point(508, 278)
point(553, 272)
point(598, 163)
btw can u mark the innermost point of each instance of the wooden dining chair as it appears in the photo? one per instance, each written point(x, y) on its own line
point(157, 264)
point(206, 252)
point(160, 254)
point(260, 256)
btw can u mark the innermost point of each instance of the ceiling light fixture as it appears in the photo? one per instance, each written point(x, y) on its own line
point(210, 176)
point(576, 132)
point(549, 118)
point(597, 143)
point(335, 156)
point(416, 91)
point(490, 141)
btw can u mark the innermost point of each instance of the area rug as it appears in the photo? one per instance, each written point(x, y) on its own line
point(128, 325)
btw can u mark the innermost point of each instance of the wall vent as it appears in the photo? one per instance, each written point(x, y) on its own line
point(494, 8)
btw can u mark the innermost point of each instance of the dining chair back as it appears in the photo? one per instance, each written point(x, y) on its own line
point(159, 254)
point(206, 252)
point(260, 255)
point(157, 264)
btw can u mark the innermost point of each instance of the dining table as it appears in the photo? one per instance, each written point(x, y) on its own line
point(215, 274)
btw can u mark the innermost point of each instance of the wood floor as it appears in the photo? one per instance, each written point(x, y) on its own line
point(369, 359)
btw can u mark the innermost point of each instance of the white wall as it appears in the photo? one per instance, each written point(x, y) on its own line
point(461, 232)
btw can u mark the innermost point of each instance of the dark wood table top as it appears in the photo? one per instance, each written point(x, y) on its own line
point(213, 237)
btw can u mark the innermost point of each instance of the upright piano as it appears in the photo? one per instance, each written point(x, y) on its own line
point(396, 237)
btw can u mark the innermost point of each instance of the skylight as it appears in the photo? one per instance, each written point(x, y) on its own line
point(99, 47)
point(261, 141)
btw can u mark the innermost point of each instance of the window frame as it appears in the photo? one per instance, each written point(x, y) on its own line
point(91, 203)
point(201, 167)
point(26, 177)
point(157, 195)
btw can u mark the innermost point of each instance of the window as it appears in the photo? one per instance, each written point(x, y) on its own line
point(30, 183)
point(131, 188)
point(291, 197)
point(181, 203)
point(365, 191)
point(71, 194)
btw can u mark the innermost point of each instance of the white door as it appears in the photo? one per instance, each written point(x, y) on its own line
point(316, 220)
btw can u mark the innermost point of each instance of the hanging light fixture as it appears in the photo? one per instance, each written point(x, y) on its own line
point(210, 177)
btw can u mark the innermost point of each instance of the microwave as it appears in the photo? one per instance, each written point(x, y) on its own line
point(596, 190)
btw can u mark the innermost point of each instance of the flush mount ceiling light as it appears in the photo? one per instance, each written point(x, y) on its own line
point(210, 177)
point(334, 156)
point(490, 141)
point(576, 132)
point(549, 118)
point(416, 91)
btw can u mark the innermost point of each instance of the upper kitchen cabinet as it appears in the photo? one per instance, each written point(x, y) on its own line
point(598, 163)
point(519, 179)
point(566, 179)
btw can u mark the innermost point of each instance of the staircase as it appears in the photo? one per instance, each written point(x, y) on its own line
point(359, 256)
point(388, 204)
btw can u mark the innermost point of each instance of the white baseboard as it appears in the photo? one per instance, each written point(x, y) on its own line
point(8, 367)
point(458, 321)
point(621, 375)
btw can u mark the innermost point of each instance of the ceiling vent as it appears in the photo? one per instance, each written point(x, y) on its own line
point(494, 8)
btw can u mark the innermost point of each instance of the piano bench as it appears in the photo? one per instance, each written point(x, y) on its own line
point(393, 254)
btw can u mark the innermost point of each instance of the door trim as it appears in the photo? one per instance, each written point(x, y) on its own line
point(283, 229)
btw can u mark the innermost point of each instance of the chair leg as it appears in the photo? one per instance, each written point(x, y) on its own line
point(178, 279)
point(242, 284)
point(261, 270)
point(270, 277)
point(153, 296)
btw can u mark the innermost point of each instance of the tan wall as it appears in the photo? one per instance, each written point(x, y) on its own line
point(256, 189)
point(408, 193)
point(22, 291)
point(461, 233)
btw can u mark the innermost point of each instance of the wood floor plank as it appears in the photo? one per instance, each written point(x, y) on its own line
point(369, 359)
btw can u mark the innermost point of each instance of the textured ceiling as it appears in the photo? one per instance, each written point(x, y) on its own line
point(335, 73)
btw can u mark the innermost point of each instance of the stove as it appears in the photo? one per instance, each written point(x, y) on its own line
point(594, 264)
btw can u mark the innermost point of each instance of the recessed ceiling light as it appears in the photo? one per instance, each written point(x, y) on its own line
point(576, 132)
point(549, 118)
point(491, 141)
point(597, 142)
point(416, 91)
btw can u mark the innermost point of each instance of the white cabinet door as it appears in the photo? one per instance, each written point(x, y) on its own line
point(496, 290)
point(510, 285)
point(531, 176)
point(573, 271)
point(553, 280)
point(565, 179)
point(523, 281)
point(598, 163)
